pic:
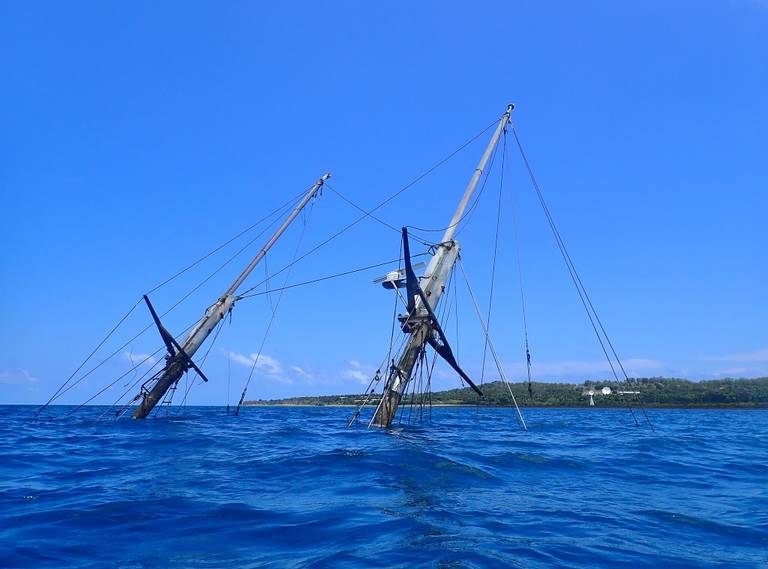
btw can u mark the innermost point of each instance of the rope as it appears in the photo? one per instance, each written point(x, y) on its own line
point(229, 381)
point(85, 361)
point(325, 278)
point(369, 213)
point(388, 361)
point(152, 355)
point(136, 381)
point(220, 247)
point(468, 213)
point(521, 287)
point(585, 300)
point(202, 362)
point(62, 390)
point(490, 345)
point(272, 317)
point(133, 385)
point(495, 252)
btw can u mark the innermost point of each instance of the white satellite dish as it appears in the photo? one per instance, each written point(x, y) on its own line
point(606, 390)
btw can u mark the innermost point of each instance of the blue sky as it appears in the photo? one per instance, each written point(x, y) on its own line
point(136, 137)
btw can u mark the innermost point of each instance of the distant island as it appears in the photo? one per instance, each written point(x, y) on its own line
point(651, 392)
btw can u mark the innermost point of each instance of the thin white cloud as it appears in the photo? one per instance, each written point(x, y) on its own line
point(358, 372)
point(302, 372)
point(240, 359)
point(575, 370)
point(139, 359)
point(579, 368)
point(357, 375)
point(757, 356)
point(267, 365)
point(20, 377)
point(732, 371)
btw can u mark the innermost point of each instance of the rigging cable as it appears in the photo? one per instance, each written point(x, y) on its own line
point(522, 290)
point(234, 238)
point(585, 300)
point(229, 379)
point(369, 214)
point(495, 356)
point(272, 317)
point(136, 382)
point(493, 263)
point(468, 213)
point(385, 202)
point(85, 361)
point(62, 390)
point(202, 362)
point(371, 389)
point(324, 278)
point(145, 360)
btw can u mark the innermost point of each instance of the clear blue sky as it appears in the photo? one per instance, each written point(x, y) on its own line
point(137, 136)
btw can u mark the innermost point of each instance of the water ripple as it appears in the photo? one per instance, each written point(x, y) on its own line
point(291, 487)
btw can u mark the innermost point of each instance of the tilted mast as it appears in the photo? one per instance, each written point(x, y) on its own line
point(423, 296)
point(179, 358)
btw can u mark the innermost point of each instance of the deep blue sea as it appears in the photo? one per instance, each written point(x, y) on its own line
point(292, 487)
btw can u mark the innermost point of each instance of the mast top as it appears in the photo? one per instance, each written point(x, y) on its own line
point(457, 216)
point(247, 271)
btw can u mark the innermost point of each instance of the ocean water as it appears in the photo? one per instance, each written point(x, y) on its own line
point(292, 487)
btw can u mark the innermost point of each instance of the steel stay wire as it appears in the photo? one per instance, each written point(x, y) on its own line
point(495, 253)
point(234, 238)
point(324, 278)
point(383, 203)
point(369, 213)
point(202, 362)
point(583, 295)
point(273, 315)
point(64, 389)
point(495, 356)
point(467, 214)
point(524, 312)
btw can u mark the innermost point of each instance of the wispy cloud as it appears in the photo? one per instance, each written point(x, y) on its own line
point(563, 370)
point(633, 366)
point(267, 365)
point(733, 371)
point(139, 359)
point(19, 377)
point(742, 364)
point(758, 356)
point(302, 372)
point(357, 372)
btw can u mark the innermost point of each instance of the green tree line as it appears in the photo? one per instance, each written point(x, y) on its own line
point(652, 391)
